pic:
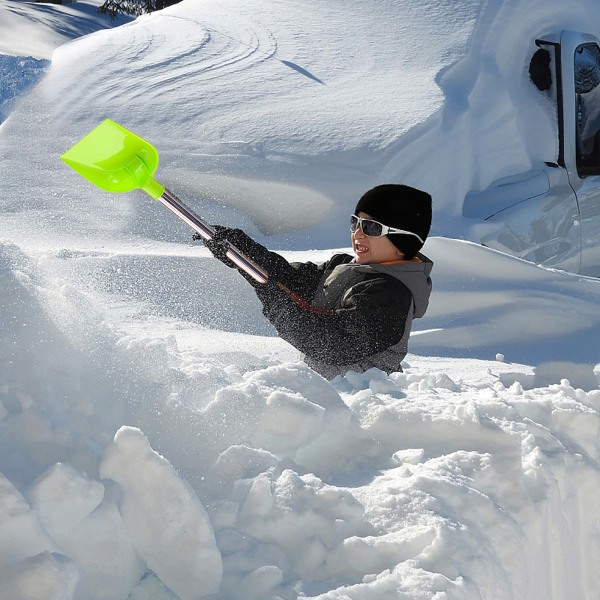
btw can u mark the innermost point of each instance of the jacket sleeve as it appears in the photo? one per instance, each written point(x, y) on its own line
point(301, 278)
point(371, 318)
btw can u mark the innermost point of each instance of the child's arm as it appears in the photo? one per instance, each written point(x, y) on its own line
point(301, 278)
point(371, 319)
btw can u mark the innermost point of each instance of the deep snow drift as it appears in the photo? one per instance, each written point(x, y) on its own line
point(157, 442)
point(29, 37)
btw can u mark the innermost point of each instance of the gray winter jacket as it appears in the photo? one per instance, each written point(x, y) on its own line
point(357, 316)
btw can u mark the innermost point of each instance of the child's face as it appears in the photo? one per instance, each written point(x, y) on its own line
point(370, 250)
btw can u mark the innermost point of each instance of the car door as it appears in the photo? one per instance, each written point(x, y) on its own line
point(581, 77)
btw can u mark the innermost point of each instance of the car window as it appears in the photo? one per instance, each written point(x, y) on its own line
point(587, 107)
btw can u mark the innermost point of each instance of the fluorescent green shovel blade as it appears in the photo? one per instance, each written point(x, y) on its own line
point(116, 160)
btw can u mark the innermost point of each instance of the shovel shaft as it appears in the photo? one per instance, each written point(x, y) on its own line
point(240, 260)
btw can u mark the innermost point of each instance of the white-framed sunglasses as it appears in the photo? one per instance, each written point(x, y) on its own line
point(373, 228)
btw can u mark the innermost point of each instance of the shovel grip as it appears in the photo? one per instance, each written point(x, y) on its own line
point(239, 259)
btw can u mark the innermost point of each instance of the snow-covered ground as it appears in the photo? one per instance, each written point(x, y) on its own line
point(157, 441)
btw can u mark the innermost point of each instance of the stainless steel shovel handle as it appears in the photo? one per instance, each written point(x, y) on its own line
point(239, 259)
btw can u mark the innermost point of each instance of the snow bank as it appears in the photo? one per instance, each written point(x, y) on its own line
point(159, 443)
point(459, 477)
point(37, 31)
point(487, 303)
point(169, 527)
point(470, 467)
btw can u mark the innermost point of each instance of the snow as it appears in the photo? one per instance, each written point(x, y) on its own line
point(157, 440)
point(163, 517)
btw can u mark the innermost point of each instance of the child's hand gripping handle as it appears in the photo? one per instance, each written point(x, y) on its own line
point(207, 232)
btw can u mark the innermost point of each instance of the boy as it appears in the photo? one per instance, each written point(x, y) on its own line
point(351, 312)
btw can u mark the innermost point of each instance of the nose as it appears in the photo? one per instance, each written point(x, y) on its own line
point(358, 233)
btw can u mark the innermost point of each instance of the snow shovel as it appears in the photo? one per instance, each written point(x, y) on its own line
point(117, 160)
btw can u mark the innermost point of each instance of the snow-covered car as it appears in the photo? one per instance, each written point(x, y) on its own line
point(551, 215)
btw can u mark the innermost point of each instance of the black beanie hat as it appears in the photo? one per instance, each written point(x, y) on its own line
point(399, 206)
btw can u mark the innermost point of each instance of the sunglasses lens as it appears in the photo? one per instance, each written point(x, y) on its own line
point(371, 228)
point(368, 227)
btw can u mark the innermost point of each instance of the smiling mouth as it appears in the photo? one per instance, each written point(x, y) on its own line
point(360, 248)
